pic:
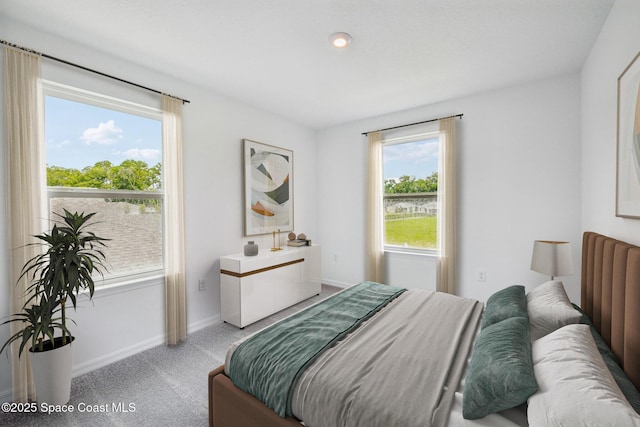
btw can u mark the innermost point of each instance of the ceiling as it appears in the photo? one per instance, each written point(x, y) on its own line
point(275, 55)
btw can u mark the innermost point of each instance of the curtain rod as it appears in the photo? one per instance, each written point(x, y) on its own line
point(413, 124)
point(53, 58)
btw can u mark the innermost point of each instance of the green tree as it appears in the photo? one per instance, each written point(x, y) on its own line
point(63, 177)
point(98, 175)
point(408, 184)
point(156, 177)
point(129, 175)
point(431, 183)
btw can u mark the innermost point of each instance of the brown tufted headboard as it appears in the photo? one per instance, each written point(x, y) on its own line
point(611, 296)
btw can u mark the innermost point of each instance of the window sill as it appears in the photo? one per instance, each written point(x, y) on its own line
point(126, 284)
point(412, 252)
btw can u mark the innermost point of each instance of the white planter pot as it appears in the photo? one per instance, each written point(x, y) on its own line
point(52, 374)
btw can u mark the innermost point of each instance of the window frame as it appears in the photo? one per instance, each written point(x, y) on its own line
point(70, 93)
point(405, 139)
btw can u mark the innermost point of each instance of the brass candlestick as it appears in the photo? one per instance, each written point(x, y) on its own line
point(276, 248)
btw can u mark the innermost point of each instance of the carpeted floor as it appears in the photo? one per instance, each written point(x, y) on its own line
point(163, 386)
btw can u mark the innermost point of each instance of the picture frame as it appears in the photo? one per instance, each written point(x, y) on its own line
point(268, 188)
point(628, 142)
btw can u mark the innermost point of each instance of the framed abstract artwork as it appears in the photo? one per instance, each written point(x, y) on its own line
point(268, 188)
point(628, 151)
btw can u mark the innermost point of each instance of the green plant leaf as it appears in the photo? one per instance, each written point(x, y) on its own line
point(55, 275)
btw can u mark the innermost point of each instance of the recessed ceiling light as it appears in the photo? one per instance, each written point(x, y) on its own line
point(340, 39)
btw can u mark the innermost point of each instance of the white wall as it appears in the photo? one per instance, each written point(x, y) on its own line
point(118, 324)
point(616, 46)
point(519, 180)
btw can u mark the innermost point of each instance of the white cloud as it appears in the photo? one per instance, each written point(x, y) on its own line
point(105, 133)
point(142, 153)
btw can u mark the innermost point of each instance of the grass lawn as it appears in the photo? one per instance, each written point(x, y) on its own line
point(418, 232)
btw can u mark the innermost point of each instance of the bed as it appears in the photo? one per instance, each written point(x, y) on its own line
point(563, 364)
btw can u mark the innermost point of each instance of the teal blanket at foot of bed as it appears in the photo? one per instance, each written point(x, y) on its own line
point(268, 364)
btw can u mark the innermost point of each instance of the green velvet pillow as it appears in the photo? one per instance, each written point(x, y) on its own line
point(500, 374)
point(504, 304)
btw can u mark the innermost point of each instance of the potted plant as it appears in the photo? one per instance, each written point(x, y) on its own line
point(67, 266)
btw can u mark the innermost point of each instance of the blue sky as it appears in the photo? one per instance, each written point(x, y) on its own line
point(418, 159)
point(79, 135)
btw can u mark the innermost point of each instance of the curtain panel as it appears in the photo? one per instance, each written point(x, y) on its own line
point(375, 214)
point(175, 283)
point(24, 177)
point(446, 263)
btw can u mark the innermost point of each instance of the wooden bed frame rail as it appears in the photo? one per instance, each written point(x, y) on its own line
point(231, 407)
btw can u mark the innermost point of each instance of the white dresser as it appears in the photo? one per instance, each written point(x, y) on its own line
point(254, 287)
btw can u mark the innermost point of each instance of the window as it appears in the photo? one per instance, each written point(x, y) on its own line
point(104, 155)
point(410, 173)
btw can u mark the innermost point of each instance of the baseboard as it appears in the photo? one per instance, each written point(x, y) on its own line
point(123, 353)
point(201, 324)
point(337, 283)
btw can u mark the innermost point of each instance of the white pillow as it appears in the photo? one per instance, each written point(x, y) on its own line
point(549, 308)
point(575, 387)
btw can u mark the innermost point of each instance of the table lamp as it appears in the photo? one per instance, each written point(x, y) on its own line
point(552, 258)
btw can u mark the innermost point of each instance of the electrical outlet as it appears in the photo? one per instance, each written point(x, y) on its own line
point(202, 285)
point(482, 276)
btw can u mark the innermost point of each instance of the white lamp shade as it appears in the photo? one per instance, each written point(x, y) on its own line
point(552, 258)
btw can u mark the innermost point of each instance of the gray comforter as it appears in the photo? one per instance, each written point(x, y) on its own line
point(268, 363)
point(400, 368)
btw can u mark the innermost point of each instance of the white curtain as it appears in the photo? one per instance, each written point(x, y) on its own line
point(446, 264)
point(23, 136)
point(375, 251)
point(176, 307)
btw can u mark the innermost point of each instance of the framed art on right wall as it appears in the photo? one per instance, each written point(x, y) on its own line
point(628, 146)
